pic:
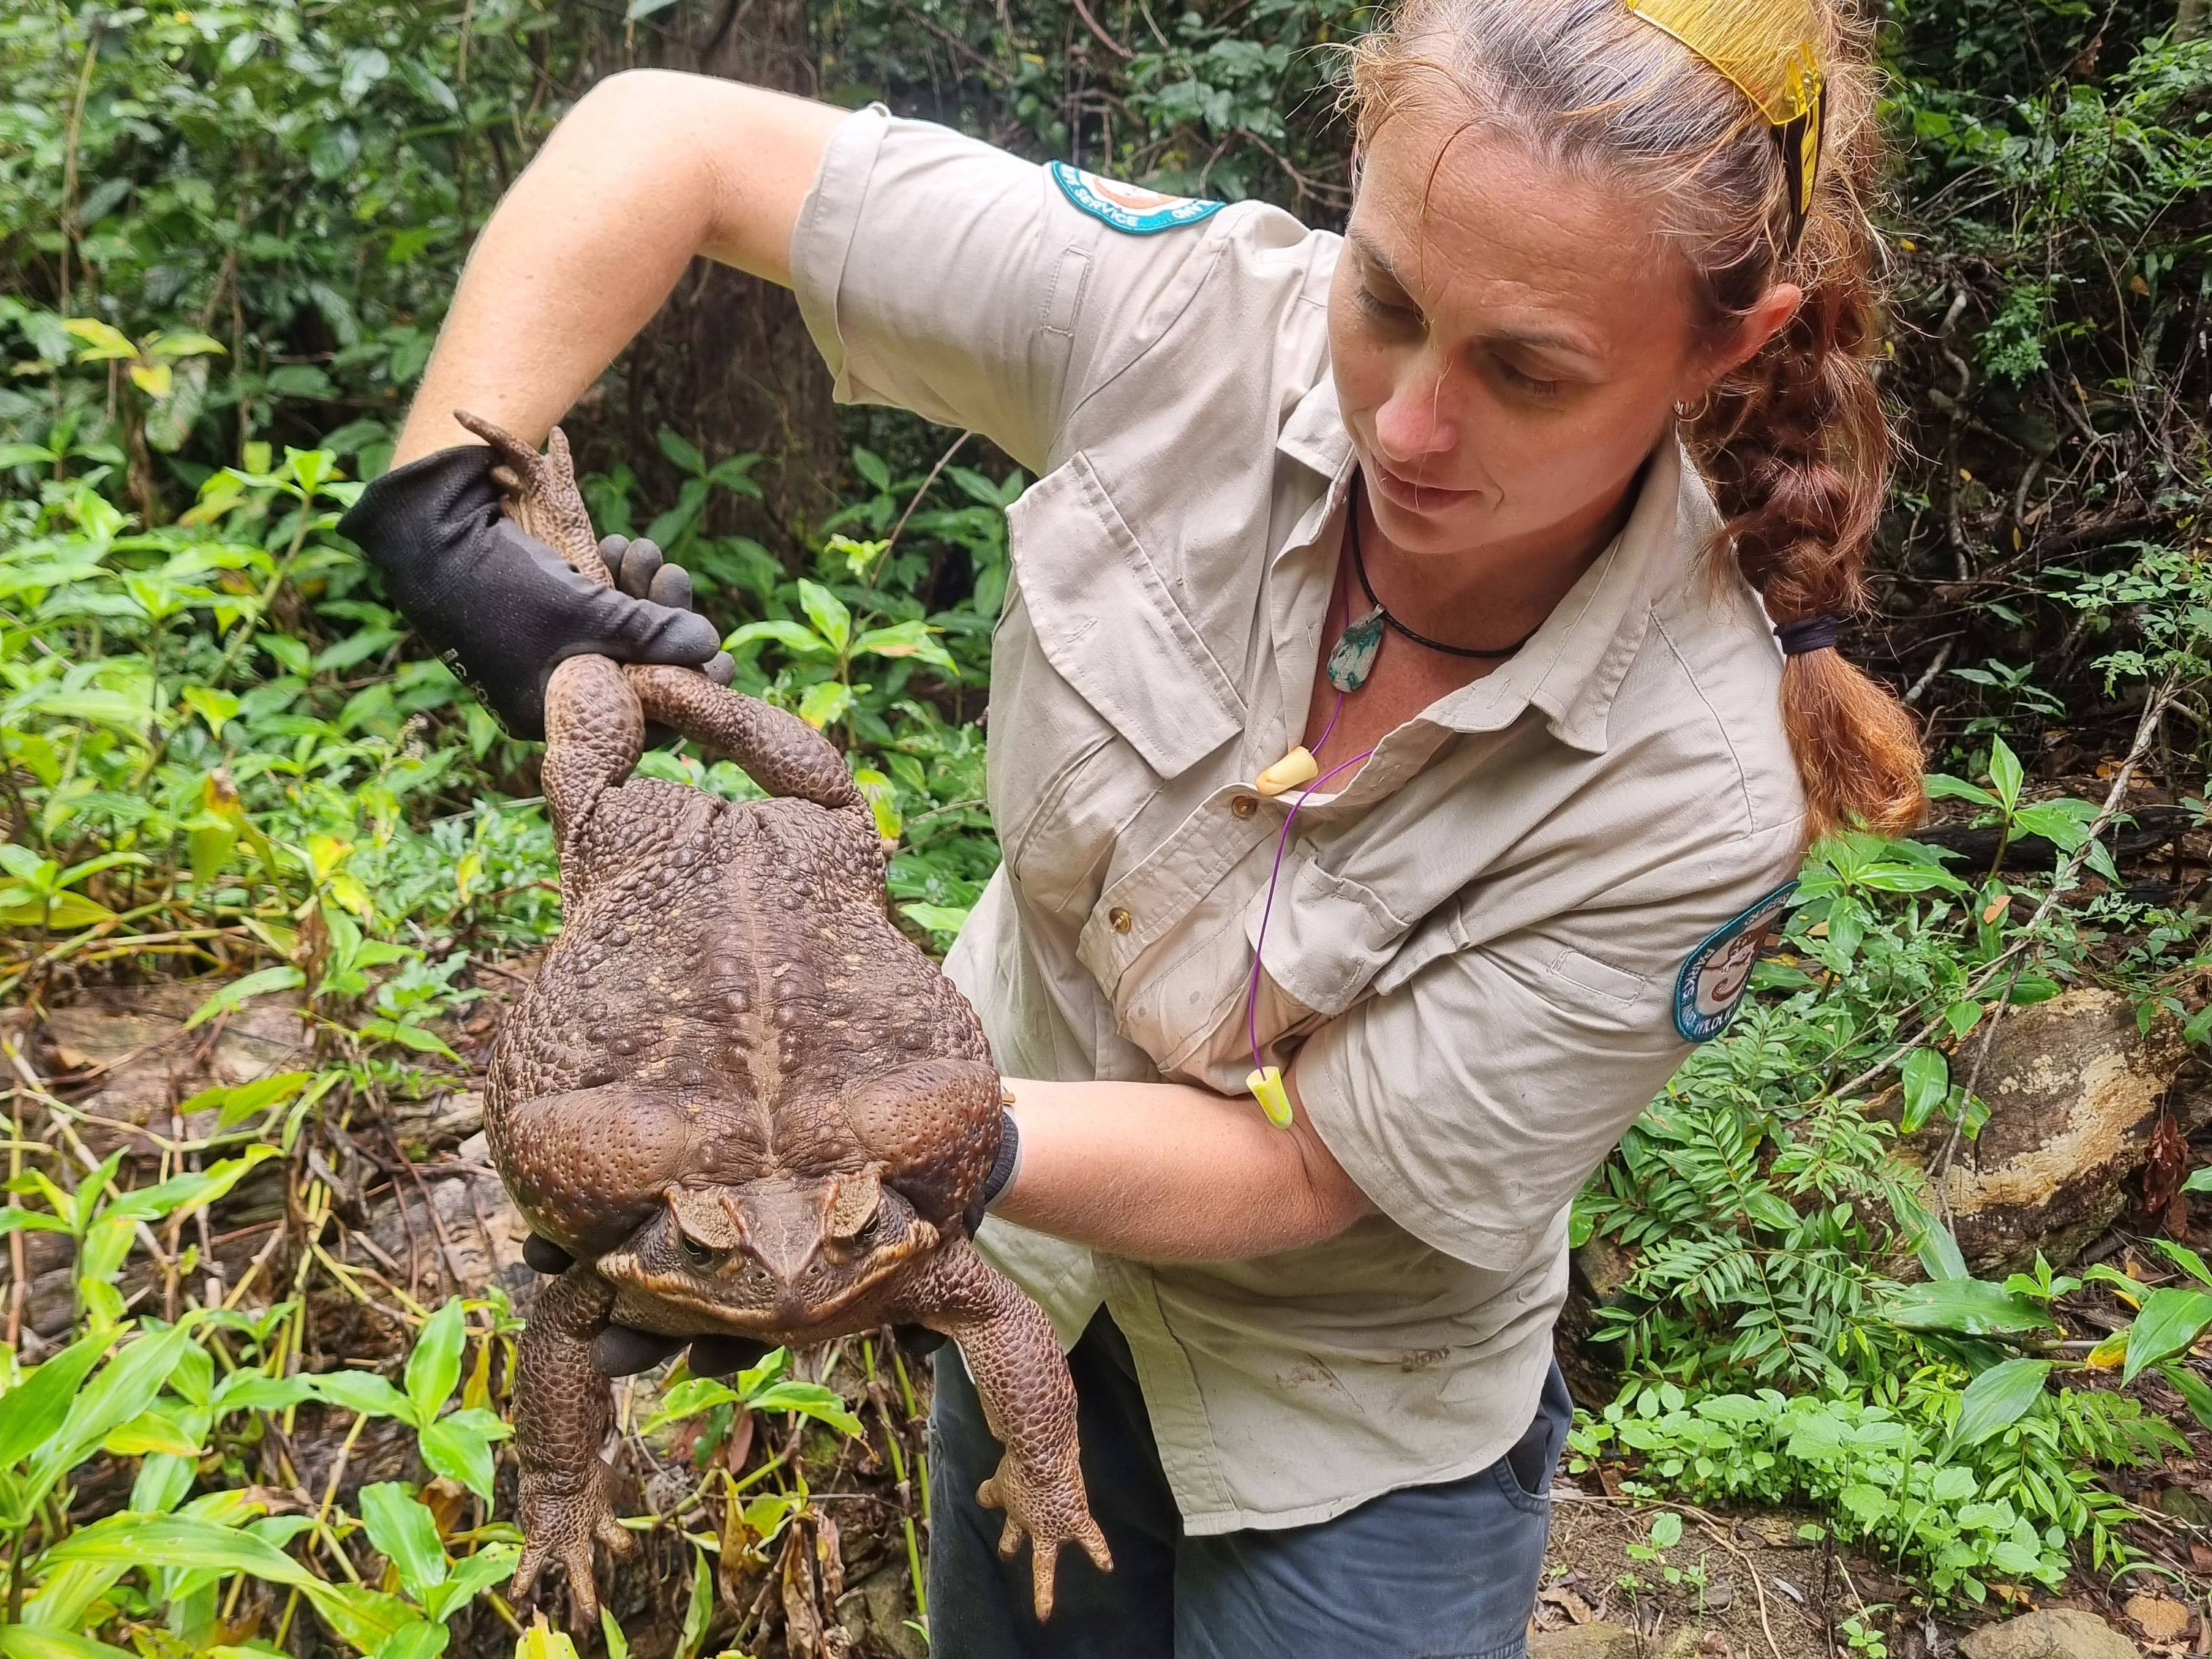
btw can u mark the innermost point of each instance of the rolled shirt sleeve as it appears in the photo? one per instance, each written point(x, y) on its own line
point(1471, 1103)
point(940, 274)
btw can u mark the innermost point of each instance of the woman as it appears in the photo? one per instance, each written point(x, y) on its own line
point(1386, 737)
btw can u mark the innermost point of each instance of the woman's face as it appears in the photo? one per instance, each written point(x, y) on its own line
point(1508, 343)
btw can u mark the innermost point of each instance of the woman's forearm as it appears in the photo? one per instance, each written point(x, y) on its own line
point(649, 170)
point(1165, 1172)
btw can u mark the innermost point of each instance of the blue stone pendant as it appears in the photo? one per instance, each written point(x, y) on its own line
point(1357, 647)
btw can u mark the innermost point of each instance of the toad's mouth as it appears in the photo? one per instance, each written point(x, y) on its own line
point(748, 1291)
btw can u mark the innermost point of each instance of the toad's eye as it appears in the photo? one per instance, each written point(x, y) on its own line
point(698, 1254)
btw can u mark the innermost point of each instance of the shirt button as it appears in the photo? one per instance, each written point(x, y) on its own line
point(1243, 806)
point(1119, 920)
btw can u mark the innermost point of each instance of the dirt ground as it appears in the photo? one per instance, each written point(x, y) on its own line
point(1752, 1587)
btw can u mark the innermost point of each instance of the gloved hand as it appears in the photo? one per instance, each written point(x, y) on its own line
point(501, 608)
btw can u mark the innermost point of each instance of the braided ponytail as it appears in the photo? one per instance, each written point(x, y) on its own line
point(1794, 442)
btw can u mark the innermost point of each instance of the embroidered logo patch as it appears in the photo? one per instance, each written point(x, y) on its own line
point(1712, 981)
point(1132, 208)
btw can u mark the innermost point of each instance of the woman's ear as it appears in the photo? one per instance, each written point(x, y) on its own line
point(1760, 324)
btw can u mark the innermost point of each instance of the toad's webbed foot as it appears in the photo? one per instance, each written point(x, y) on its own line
point(1029, 1403)
point(562, 1518)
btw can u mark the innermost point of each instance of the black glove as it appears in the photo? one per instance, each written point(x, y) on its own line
point(501, 608)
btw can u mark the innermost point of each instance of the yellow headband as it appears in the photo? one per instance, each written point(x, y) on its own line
point(1766, 47)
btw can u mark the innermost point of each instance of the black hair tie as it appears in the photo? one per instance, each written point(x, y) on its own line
point(1812, 633)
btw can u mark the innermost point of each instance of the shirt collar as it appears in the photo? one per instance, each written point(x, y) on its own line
point(1315, 434)
point(1573, 666)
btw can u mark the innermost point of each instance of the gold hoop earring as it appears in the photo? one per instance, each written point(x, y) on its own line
point(1705, 405)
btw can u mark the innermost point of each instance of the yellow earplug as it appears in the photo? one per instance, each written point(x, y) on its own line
point(1294, 768)
point(1274, 1097)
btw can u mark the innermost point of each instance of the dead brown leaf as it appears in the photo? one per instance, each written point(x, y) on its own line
point(1577, 1609)
point(2161, 1619)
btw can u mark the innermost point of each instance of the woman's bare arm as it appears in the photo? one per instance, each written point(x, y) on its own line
point(1166, 1172)
point(650, 169)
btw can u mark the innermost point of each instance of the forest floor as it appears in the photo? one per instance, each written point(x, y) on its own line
point(413, 1213)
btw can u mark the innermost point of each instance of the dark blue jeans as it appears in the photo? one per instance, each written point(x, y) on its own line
point(1445, 1571)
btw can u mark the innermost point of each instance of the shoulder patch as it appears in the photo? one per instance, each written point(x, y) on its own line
point(1130, 208)
point(1712, 982)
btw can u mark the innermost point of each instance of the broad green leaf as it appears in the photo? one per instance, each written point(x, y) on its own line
point(690, 1397)
point(699, 1610)
point(362, 1391)
point(257, 1391)
point(1941, 787)
point(682, 451)
point(150, 1431)
point(419, 1638)
point(18, 454)
point(871, 466)
point(825, 703)
point(1666, 1529)
point(459, 1446)
point(241, 991)
point(180, 1541)
point(434, 1366)
point(64, 913)
point(1999, 1398)
point(32, 1410)
point(2005, 773)
point(30, 1221)
point(125, 1387)
point(39, 1642)
point(406, 1534)
point(611, 1634)
point(1926, 1078)
point(1974, 1307)
point(791, 636)
point(945, 919)
point(2199, 1180)
point(2192, 1388)
point(103, 341)
point(831, 620)
point(808, 1399)
point(2170, 1321)
point(541, 1640)
point(2185, 1259)
point(906, 639)
point(471, 1576)
point(184, 343)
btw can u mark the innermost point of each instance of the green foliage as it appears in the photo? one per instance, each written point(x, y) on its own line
point(1900, 1466)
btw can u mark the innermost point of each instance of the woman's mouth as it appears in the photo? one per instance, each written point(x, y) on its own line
point(1412, 496)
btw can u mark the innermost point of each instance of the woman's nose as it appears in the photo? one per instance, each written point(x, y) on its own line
point(1415, 423)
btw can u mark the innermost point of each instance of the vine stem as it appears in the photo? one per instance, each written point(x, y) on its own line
point(2154, 708)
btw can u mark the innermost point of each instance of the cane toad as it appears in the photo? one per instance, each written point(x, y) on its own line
point(737, 1095)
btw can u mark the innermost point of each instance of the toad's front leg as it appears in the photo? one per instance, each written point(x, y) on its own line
point(562, 1407)
point(1028, 1403)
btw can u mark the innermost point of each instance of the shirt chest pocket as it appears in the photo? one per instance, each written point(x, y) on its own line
point(1102, 690)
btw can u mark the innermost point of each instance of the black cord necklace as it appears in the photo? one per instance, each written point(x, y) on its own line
point(1359, 564)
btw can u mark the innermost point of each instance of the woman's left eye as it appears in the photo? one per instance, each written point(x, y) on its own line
point(1374, 306)
point(1528, 383)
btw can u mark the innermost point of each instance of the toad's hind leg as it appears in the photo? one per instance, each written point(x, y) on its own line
point(1028, 1403)
point(562, 1409)
point(779, 751)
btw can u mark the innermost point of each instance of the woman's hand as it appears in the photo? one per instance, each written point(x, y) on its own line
point(501, 608)
point(1168, 1172)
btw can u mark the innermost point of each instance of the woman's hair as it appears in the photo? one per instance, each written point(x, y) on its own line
point(1794, 441)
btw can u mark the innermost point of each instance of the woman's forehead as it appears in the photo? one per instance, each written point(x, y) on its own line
point(1487, 236)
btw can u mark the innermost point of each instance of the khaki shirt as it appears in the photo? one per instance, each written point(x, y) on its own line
point(1475, 949)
